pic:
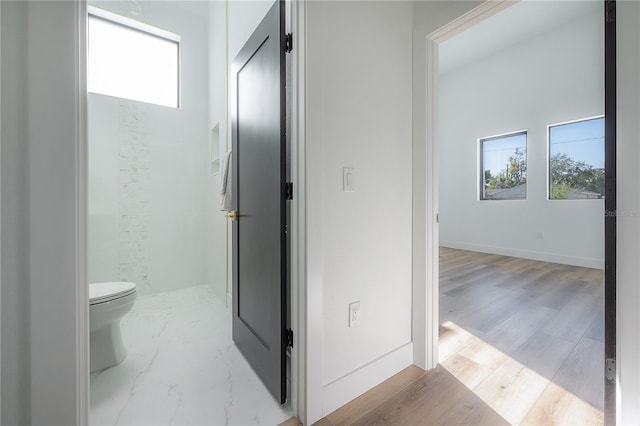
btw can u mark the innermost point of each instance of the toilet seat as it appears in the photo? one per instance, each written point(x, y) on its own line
point(106, 292)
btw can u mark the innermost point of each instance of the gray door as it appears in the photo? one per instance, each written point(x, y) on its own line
point(259, 178)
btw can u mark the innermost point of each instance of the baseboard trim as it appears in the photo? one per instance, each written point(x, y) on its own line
point(585, 262)
point(347, 388)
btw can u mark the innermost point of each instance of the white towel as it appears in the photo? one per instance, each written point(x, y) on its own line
point(225, 183)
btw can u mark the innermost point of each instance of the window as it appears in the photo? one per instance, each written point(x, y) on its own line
point(576, 160)
point(132, 60)
point(503, 167)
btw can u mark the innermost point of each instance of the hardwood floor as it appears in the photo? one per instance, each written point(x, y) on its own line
point(521, 342)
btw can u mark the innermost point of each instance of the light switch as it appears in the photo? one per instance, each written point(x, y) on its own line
point(354, 313)
point(348, 179)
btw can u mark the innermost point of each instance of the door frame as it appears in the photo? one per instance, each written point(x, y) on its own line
point(0, 220)
point(463, 22)
point(295, 23)
point(429, 339)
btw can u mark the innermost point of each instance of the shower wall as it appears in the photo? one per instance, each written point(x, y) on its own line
point(152, 190)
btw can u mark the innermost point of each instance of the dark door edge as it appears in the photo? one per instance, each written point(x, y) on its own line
point(610, 211)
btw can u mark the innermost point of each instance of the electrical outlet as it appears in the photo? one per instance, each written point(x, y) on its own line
point(354, 314)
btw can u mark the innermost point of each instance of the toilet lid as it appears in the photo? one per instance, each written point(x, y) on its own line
point(103, 292)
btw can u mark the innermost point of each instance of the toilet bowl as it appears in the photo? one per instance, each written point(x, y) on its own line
point(108, 303)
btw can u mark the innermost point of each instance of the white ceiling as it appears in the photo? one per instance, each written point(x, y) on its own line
point(517, 23)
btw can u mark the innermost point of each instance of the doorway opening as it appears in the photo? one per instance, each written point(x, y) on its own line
point(154, 215)
point(521, 231)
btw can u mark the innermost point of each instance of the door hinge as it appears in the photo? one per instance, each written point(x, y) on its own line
point(610, 369)
point(288, 337)
point(287, 191)
point(287, 43)
point(610, 11)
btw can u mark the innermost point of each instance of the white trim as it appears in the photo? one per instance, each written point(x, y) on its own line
point(431, 321)
point(227, 143)
point(311, 289)
point(469, 19)
point(354, 384)
point(432, 210)
point(297, 260)
point(577, 120)
point(58, 357)
point(585, 262)
point(628, 199)
point(134, 24)
point(307, 314)
point(0, 216)
point(81, 178)
point(548, 165)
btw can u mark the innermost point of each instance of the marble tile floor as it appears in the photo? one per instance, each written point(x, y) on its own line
point(182, 368)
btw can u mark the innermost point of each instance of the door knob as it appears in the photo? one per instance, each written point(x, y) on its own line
point(233, 215)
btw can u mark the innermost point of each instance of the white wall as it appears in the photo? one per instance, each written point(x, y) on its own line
point(55, 213)
point(554, 77)
point(147, 220)
point(244, 17)
point(217, 238)
point(15, 392)
point(359, 243)
point(628, 182)
point(0, 216)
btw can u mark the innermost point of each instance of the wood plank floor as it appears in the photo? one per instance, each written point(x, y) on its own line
point(521, 342)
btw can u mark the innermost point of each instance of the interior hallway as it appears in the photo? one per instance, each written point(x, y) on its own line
point(521, 342)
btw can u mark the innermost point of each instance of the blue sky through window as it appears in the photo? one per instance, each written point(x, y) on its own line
point(496, 152)
point(581, 141)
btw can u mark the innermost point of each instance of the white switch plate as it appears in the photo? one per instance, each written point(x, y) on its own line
point(348, 179)
point(354, 313)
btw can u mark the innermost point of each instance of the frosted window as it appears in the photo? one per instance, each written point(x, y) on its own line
point(129, 62)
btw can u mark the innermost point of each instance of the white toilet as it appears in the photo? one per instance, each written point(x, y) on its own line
point(108, 303)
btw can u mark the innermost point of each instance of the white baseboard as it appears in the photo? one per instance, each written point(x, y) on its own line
point(347, 388)
point(585, 262)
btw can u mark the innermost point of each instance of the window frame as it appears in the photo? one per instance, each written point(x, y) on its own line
point(94, 12)
point(480, 174)
point(549, 126)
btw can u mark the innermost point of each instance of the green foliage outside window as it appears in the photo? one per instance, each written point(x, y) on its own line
point(569, 177)
point(514, 173)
